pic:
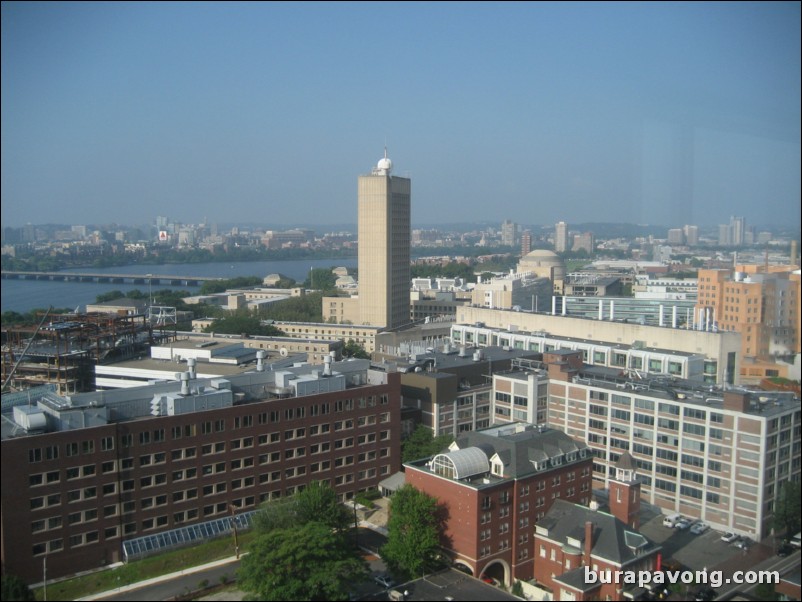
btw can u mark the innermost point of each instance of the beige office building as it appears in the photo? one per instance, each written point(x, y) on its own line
point(384, 242)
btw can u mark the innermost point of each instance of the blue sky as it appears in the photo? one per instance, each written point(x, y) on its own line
point(661, 113)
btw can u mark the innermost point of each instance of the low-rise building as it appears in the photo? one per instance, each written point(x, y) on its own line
point(573, 541)
point(495, 484)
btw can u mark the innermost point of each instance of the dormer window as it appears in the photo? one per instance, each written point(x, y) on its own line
point(570, 457)
point(556, 460)
point(497, 468)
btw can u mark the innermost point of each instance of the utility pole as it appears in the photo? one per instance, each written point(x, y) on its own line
point(234, 527)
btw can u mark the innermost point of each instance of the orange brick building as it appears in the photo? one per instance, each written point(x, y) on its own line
point(762, 305)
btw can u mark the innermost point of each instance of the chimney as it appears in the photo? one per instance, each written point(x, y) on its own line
point(588, 543)
point(260, 361)
point(736, 401)
point(191, 361)
point(327, 365)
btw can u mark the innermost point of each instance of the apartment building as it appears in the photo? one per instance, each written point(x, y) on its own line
point(495, 484)
point(84, 477)
point(717, 454)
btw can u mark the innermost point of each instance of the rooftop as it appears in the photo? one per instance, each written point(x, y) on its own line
point(612, 539)
point(510, 451)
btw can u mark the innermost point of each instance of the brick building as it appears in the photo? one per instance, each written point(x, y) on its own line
point(83, 475)
point(495, 485)
point(572, 537)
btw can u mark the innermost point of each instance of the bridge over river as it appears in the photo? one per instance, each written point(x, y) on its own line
point(112, 278)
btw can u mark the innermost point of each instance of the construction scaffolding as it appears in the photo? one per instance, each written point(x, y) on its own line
point(64, 349)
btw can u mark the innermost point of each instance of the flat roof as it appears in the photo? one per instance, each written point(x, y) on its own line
point(556, 337)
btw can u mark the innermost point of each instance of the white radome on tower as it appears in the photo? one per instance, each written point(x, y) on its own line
point(385, 165)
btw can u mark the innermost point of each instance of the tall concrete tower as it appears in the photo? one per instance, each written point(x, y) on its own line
point(384, 241)
point(561, 237)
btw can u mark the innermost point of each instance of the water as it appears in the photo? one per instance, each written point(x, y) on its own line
point(25, 295)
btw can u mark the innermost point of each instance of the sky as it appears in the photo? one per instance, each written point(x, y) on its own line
point(658, 113)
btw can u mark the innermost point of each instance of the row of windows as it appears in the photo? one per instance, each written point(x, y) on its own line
point(87, 447)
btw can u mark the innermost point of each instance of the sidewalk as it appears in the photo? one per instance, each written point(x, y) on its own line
point(162, 578)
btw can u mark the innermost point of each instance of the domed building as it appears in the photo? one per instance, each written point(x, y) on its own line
point(543, 263)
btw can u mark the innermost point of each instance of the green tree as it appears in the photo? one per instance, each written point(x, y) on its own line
point(110, 296)
point(354, 349)
point(243, 322)
point(211, 287)
point(14, 588)
point(276, 514)
point(321, 279)
point(422, 444)
point(317, 502)
point(766, 591)
point(307, 562)
point(306, 308)
point(788, 508)
point(413, 533)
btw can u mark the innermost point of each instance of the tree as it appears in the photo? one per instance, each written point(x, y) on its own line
point(241, 322)
point(110, 296)
point(354, 349)
point(413, 532)
point(14, 588)
point(276, 514)
point(788, 508)
point(321, 279)
point(317, 502)
point(422, 444)
point(307, 562)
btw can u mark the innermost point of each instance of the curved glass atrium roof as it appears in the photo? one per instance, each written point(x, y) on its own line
point(461, 463)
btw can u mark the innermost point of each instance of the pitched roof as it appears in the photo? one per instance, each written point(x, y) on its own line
point(613, 541)
point(519, 447)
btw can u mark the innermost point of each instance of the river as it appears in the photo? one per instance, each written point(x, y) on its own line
point(25, 295)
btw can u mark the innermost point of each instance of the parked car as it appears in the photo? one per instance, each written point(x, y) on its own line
point(384, 580)
point(671, 520)
point(796, 540)
point(682, 524)
point(699, 528)
point(743, 543)
point(784, 550)
point(729, 537)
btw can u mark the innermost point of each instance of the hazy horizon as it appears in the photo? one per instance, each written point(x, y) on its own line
point(642, 113)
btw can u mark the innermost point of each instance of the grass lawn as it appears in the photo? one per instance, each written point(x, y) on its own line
point(153, 566)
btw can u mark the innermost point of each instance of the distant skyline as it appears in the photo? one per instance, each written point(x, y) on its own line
point(658, 113)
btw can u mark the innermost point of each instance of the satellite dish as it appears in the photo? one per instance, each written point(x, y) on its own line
point(283, 351)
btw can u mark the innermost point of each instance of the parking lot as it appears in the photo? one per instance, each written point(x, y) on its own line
point(703, 551)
